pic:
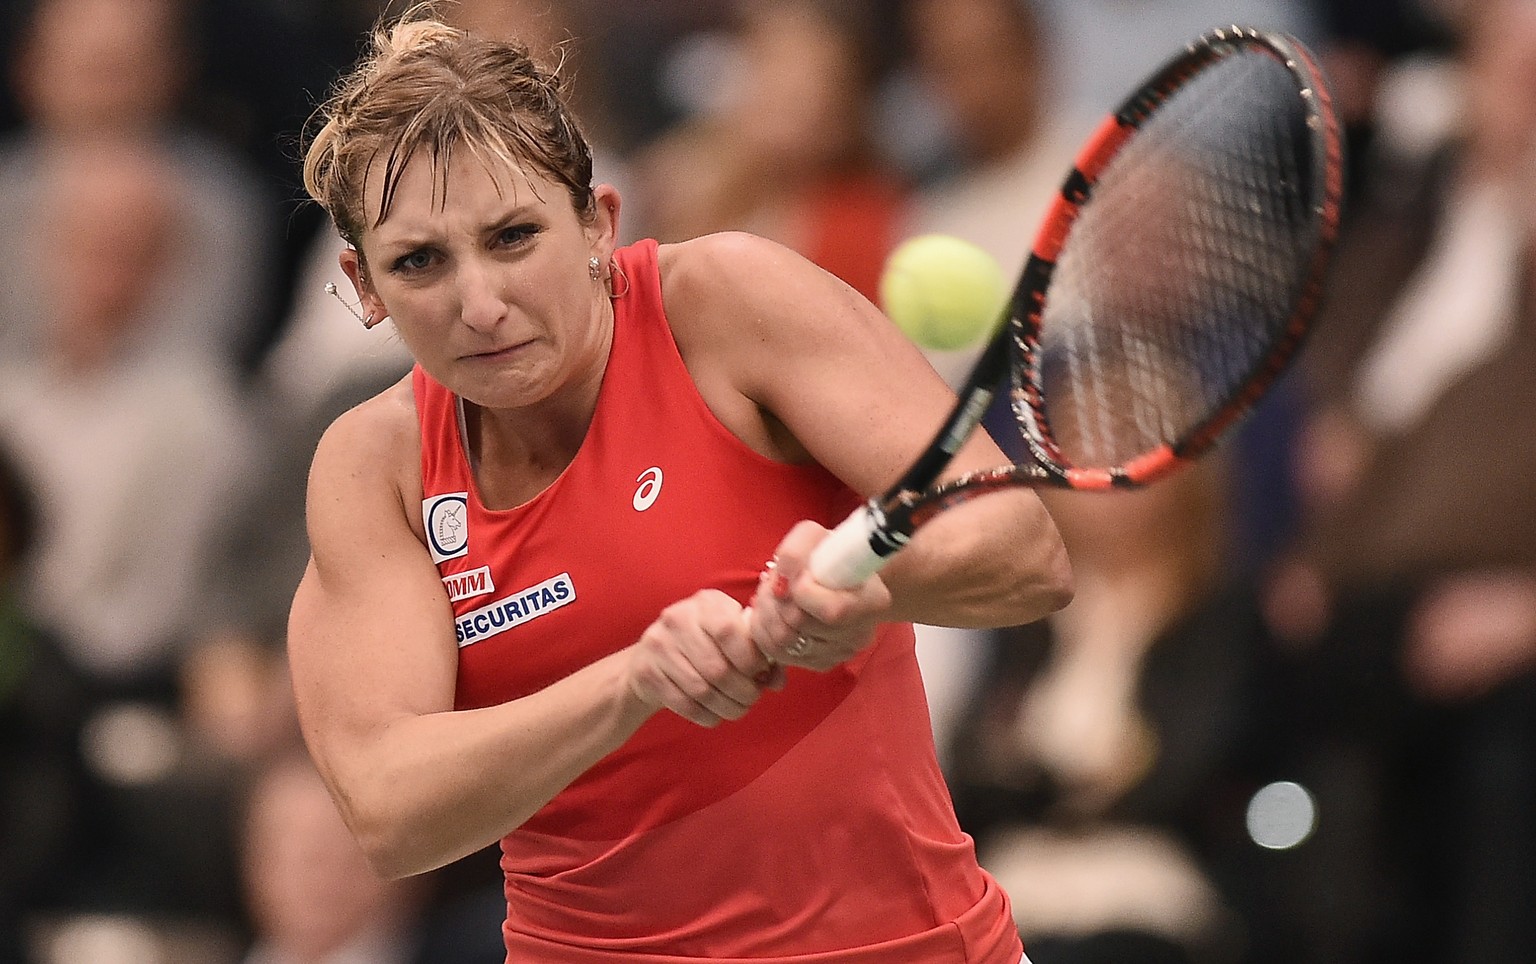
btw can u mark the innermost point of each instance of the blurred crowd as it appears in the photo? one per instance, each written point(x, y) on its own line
point(1290, 715)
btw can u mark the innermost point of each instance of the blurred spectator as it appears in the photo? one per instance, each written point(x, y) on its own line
point(1365, 47)
point(257, 68)
point(986, 65)
point(324, 364)
point(313, 898)
point(1416, 571)
point(92, 68)
point(136, 449)
point(41, 710)
point(568, 36)
point(1106, 765)
point(542, 25)
point(1104, 47)
point(651, 57)
point(236, 701)
point(1364, 42)
point(983, 64)
point(786, 151)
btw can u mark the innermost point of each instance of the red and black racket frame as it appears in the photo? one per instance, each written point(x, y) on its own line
point(1012, 355)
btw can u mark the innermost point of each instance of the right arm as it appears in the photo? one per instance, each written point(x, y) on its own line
point(374, 663)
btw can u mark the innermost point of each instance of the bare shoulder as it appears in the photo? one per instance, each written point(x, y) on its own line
point(369, 454)
point(374, 428)
point(733, 283)
point(755, 306)
point(796, 362)
point(716, 263)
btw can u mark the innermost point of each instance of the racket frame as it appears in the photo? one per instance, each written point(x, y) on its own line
point(863, 543)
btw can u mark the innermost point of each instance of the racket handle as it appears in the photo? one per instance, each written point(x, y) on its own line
point(845, 557)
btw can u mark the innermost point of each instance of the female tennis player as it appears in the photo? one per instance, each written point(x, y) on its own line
point(558, 594)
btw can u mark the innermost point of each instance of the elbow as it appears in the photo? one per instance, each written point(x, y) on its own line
point(393, 847)
point(387, 853)
point(400, 841)
point(1057, 584)
point(392, 855)
point(1045, 586)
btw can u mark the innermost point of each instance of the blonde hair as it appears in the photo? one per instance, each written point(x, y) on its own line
point(427, 86)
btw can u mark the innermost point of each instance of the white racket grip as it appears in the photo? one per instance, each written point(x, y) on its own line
point(844, 558)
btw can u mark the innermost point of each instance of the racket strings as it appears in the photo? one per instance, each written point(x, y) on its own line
point(1179, 275)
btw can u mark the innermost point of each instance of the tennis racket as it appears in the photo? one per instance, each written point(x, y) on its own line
point(1170, 283)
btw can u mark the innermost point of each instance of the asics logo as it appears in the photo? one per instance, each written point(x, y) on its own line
point(649, 490)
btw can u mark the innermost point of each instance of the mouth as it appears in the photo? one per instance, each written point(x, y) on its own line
point(498, 354)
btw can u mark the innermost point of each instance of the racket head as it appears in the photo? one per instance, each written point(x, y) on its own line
point(1169, 285)
point(1179, 270)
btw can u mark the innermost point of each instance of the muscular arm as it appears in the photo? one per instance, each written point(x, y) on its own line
point(374, 662)
point(802, 366)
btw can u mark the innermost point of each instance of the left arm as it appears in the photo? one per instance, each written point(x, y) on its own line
point(802, 367)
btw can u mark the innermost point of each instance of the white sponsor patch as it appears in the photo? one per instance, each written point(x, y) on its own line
point(467, 585)
point(526, 604)
point(446, 518)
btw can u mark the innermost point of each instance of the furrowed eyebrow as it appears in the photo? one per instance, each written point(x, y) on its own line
point(412, 241)
point(518, 213)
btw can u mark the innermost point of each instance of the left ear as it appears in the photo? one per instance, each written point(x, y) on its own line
point(603, 232)
point(368, 300)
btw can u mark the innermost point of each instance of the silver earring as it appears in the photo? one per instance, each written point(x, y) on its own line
point(368, 322)
point(594, 267)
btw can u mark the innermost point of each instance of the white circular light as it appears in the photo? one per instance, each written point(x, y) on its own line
point(1281, 815)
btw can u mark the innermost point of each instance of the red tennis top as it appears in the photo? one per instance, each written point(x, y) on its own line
point(817, 827)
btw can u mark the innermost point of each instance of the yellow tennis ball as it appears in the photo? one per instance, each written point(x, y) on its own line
point(943, 292)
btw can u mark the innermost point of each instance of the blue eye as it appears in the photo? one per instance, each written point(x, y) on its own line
point(415, 261)
point(516, 235)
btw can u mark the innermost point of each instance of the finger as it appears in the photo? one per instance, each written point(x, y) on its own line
point(723, 652)
point(676, 699)
point(666, 675)
point(823, 605)
point(697, 631)
point(773, 627)
point(656, 687)
point(773, 600)
point(705, 665)
point(718, 700)
point(733, 635)
point(772, 678)
point(829, 608)
point(794, 549)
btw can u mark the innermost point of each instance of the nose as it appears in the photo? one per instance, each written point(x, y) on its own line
point(480, 302)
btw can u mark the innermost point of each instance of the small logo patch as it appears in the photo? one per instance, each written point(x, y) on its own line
point(467, 585)
point(649, 490)
point(446, 518)
point(522, 606)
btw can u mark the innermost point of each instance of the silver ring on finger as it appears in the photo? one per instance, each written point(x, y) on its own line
point(799, 647)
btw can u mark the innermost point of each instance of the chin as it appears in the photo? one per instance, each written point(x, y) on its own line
point(513, 388)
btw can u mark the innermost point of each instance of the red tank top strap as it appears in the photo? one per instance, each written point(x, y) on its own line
point(650, 357)
point(443, 461)
point(637, 279)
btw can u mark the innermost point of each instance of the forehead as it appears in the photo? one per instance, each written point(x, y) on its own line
point(427, 189)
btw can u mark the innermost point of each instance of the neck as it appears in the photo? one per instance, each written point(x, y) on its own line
point(518, 452)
